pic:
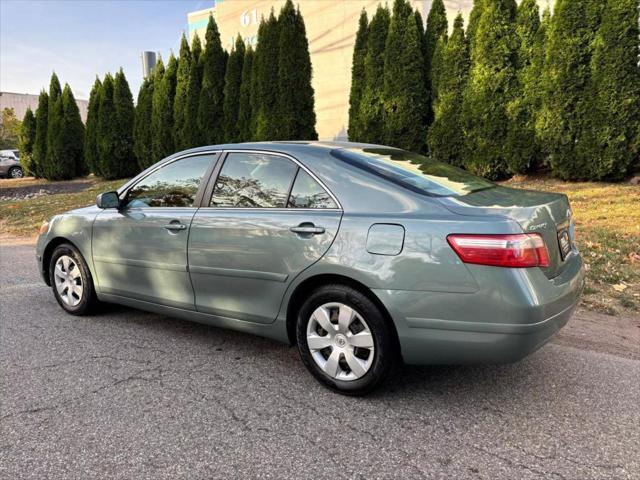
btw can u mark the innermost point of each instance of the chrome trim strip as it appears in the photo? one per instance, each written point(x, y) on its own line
point(232, 272)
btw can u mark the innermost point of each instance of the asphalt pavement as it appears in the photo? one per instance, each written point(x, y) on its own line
point(132, 395)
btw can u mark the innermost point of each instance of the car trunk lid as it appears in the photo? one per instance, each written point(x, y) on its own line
point(547, 214)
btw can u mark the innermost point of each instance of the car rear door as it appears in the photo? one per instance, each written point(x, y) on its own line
point(140, 250)
point(265, 218)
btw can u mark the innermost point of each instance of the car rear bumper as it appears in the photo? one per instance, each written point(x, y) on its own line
point(500, 323)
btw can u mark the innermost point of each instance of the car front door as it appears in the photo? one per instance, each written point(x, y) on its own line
point(267, 220)
point(140, 250)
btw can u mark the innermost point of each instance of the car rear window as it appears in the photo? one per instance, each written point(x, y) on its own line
point(412, 171)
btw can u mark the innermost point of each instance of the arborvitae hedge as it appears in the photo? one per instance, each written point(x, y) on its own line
point(72, 136)
point(404, 105)
point(142, 125)
point(27, 141)
point(54, 123)
point(162, 121)
point(245, 112)
point(123, 161)
point(91, 132)
point(567, 77)
point(191, 133)
point(490, 88)
point(107, 136)
point(296, 103)
point(437, 27)
point(232, 85)
point(521, 141)
point(613, 120)
point(446, 136)
point(372, 103)
point(180, 99)
point(267, 118)
point(210, 108)
point(40, 146)
point(357, 78)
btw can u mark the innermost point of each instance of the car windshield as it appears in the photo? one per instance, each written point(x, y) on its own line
point(412, 171)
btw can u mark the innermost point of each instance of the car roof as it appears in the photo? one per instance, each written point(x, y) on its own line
point(289, 147)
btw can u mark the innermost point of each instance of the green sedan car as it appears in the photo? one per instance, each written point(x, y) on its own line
point(360, 255)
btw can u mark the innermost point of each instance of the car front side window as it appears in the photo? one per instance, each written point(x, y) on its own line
point(173, 185)
point(253, 180)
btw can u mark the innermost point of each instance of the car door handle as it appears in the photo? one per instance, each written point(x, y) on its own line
point(307, 229)
point(175, 226)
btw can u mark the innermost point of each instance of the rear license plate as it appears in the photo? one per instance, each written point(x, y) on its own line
point(564, 241)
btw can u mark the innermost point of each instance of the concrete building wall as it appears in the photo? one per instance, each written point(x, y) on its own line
point(21, 101)
point(331, 28)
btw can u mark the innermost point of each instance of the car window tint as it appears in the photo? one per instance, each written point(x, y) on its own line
point(253, 180)
point(174, 185)
point(307, 193)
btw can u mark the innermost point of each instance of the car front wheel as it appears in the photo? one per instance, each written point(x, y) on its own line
point(344, 340)
point(71, 280)
point(16, 172)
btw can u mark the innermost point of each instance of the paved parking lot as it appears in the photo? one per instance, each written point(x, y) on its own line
point(127, 394)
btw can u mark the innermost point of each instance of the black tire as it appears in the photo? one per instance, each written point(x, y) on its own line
point(383, 339)
point(15, 172)
point(87, 300)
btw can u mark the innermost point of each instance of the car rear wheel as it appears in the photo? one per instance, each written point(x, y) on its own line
point(16, 172)
point(344, 340)
point(71, 280)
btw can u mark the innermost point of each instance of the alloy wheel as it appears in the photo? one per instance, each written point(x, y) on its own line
point(68, 280)
point(340, 341)
point(17, 173)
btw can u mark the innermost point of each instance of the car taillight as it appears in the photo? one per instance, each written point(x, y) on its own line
point(517, 250)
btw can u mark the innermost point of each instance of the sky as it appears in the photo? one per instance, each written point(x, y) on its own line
point(80, 39)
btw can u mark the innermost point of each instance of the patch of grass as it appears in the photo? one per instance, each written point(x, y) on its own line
point(607, 217)
point(24, 217)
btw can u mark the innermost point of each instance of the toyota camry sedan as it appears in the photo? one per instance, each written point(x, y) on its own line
point(360, 255)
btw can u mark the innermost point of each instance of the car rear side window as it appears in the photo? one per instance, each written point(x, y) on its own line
point(307, 193)
point(253, 180)
point(412, 171)
point(174, 185)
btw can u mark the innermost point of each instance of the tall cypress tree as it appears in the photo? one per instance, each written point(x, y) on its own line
point(490, 88)
point(232, 85)
point(522, 153)
point(566, 77)
point(613, 121)
point(27, 141)
point(437, 27)
point(106, 134)
point(357, 78)
point(191, 132)
point(404, 105)
point(372, 103)
point(296, 103)
point(245, 112)
point(268, 118)
point(68, 146)
point(180, 99)
point(446, 136)
point(142, 125)
point(162, 123)
point(210, 108)
point(122, 161)
point(91, 132)
point(474, 19)
point(40, 147)
point(54, 121)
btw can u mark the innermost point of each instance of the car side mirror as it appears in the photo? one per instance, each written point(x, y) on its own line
point(108, 200)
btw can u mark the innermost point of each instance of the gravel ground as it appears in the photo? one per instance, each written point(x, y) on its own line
point(132, 395)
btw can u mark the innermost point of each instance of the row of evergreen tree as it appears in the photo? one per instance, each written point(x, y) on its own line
point(52, 139)
point(206, 96)
point(513, 93)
